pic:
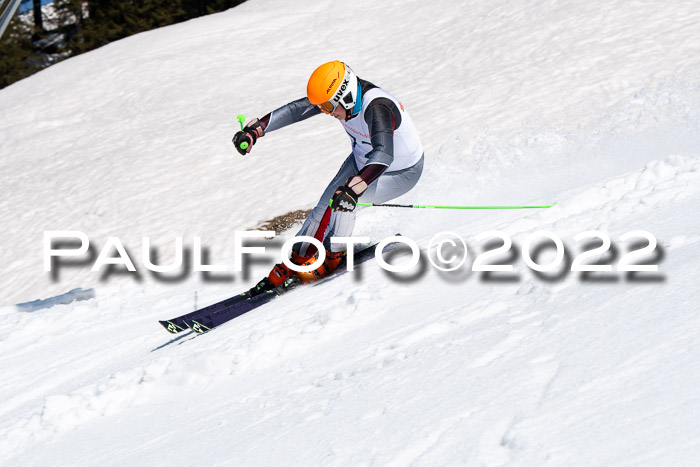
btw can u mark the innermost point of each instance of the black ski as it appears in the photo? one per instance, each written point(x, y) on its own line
point(179, 324)
point(205, 323)
point(211, 317)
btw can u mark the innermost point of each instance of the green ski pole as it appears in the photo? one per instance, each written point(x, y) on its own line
point(422, 206)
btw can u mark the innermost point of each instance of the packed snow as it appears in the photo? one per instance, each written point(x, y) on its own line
point(592, 105)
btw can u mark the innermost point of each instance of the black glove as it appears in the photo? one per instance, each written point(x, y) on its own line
point(344, 199)
point(245, 139)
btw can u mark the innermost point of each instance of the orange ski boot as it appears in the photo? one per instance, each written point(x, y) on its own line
point(329, 265)
point(279, 276)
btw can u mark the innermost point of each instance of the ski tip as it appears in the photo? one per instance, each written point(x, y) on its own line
point(198, 327)
point(171, 327)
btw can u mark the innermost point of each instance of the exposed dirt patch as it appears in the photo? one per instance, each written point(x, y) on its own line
point(284, 222)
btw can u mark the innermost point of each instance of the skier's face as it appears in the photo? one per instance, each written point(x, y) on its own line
point(339, 113)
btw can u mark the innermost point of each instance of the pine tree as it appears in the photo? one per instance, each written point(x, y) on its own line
point(38, 17)
point(84, 25)
point(19, 57)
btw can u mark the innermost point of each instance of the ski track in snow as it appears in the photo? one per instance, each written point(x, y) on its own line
point(595, 106)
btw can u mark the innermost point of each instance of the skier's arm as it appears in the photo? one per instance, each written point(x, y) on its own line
point(382, 117)
point(294, 112)
point(346, 196)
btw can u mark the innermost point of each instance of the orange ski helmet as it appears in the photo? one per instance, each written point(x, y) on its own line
point(333, 84)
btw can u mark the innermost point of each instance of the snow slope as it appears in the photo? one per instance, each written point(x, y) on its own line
point(595, 106)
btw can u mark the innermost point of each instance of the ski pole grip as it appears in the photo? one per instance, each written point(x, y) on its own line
point(241, 119)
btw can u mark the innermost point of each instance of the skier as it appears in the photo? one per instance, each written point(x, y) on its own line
point(386, 160)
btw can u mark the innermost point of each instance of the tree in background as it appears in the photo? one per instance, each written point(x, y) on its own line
point(109, 20)
point(83, 25)
point(19, 58)
point(38, 20)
